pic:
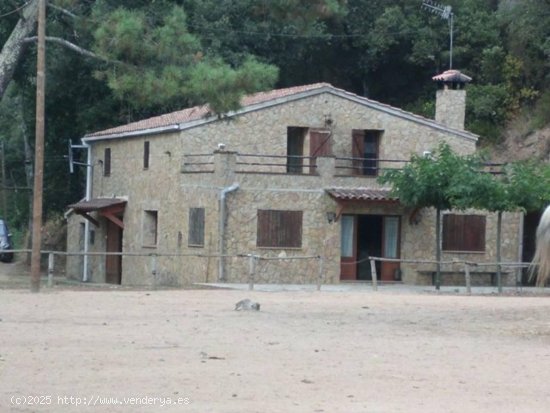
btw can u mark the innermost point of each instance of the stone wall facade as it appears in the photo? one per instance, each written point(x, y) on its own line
point(176, 181)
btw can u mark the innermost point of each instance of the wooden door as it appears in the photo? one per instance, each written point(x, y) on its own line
point(113, 263)
point(348, 248)
point(390, 248)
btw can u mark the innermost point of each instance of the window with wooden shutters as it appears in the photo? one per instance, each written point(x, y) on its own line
point(196, 227)
point(146, 155)
point(365, 151)
point(107, 162)
point(464, 233)
point(279, 229)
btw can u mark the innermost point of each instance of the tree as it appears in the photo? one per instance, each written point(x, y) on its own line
point(437, 181)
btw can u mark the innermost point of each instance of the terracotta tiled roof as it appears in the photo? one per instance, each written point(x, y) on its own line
point(199, 112)
point(96, 204)
point(362, 194)
point(452, 76)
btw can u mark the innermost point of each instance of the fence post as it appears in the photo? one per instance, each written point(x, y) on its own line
point(467, 278)
point(50, 269)
point(499, 278)
point(251, 271)
point(374, 275)
point(321, 273)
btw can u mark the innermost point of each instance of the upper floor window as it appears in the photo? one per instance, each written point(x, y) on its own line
point(299, 139)
point(279, 229)
point(464, 233)
point(107, 162)
point(295, 139)
point(146, 155)
point(366, 151)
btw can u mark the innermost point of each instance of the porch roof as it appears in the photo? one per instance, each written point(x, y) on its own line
point(362, 194)
point(96, 204)
point(110, 208)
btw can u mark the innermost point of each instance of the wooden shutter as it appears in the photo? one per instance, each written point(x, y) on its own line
point(279, 229)
point(358, 150)
point(464, 232)
point(319, 145)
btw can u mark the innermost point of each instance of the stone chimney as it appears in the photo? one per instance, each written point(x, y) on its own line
point(450, 102)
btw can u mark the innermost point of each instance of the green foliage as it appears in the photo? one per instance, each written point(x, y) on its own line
point(159, 62)
point(223, 87)
point(442, 180)
point(541, 111)
point(527, 185)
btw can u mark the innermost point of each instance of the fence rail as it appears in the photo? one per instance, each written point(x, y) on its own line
point(255, 265)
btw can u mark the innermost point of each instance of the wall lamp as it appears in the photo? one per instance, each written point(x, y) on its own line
point(331, 217)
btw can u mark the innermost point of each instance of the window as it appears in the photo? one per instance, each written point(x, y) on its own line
point(464, 233)
point(365, 151)
point(146, 155)
point(107, 162)
point(196, 227)
point(279, 229)
point(150, 221)
point(347, 232)
point(295, 149)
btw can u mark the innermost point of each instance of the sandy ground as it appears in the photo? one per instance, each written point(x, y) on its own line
point(145, 351)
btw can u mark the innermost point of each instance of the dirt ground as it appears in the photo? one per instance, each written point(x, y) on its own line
point(73, 350)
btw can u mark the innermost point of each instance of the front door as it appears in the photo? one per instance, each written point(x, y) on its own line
point(113, 263)
point(364, 236)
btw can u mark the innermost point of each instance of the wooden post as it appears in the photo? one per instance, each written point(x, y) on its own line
point(467, 278)
point(499, 256)
point(251, 271)
point(321, 273)
point(39, 149)
point(50, 269)
point(374, 276)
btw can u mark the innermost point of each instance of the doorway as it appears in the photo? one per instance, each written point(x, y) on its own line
point(113, 263)
point(369, 235)
point(530, 223)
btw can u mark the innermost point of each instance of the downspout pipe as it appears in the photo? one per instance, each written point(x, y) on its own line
point(223, 194)
point(89, 172)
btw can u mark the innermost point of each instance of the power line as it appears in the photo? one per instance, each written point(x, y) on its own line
point(15, 10)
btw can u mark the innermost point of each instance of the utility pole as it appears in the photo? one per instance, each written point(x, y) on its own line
point(39, 149)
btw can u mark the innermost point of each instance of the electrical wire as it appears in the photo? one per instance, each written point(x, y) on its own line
point(15, 10)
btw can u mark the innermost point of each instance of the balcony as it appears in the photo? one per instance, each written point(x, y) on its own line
point(243, 163)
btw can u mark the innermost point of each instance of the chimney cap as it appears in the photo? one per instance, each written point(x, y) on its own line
point(452, 76)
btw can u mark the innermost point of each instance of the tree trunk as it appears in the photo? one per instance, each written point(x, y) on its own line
point(14, 47)
point(29, 175)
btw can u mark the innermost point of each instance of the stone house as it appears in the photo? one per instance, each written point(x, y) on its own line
point(290, 176)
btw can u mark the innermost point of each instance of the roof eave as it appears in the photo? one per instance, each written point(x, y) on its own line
point(130, 134)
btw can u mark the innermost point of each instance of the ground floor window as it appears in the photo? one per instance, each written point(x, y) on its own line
point(196, 227)
point(279, 229)
point(150, 223)
point(464, 233)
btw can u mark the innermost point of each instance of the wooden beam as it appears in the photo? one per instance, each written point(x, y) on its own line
point(88, 217)
point(113, 218)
